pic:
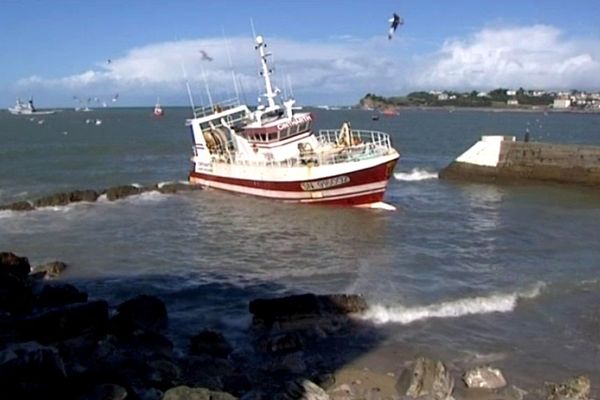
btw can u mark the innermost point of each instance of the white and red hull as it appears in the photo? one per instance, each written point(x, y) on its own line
point(356, 187)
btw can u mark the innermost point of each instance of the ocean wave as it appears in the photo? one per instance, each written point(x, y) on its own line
point(416, 174)
point(382, 314)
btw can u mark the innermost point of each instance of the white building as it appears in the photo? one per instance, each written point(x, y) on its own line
point(511, 92)
point(561, 103)
point(512, 102)
point(442, 96)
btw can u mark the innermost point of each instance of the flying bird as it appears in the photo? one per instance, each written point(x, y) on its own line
point(205, 57)
point(116, 96)
point(395, 21)
point(108, 61)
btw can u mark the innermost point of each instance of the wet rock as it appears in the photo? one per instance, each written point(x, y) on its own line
point(303, 389)
point(577, 388)
point(426, 378)
point(305, 306)
point(484, 378)
point(237, 384)
point(56, 199)
point(107, 391)
point(120, 192)
point(52, 269)
point(188, 393)
point(205, 371)
point(65, 322)
point(18, 206)
point(146, 313)
point(211, 343)
point(83, 195)
point(11, 264)
point(56, 295)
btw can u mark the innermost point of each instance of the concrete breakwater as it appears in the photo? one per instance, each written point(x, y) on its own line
point(112, 194)
point(503, 158)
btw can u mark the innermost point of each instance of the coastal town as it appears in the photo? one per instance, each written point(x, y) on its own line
point(572, 100)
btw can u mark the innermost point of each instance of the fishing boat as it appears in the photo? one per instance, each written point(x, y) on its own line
point(158, 110)
point(22, 108)
point(273, 152)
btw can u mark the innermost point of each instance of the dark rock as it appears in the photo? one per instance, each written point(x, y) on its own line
point(11, 264)
point(237, 384)
point(65, 322)
point(426, 378)
point(305, 306)
point(163, 374)
point(285, 342)
point(18, 206)
point(174, 187)
point(83, 195)
point(211, 343)
point(120, 192)
point(151, 344)
point(30, 362)
point(107, 391)
point(577, 388)
point(204, 371)
point(57, 199)
point(146, 313)
point(188, 393)
point(52, 269)
point(15, 290)
point(56, 295)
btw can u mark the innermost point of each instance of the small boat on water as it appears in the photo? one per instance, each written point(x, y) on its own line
point(272, 152)
point(158, 110)
point(22, 108)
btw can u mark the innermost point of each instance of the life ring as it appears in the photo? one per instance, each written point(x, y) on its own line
point(255, 148)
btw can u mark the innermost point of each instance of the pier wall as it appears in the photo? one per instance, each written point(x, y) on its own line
point(560, 163)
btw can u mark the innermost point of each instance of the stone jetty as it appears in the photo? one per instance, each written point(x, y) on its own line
point(504, 159)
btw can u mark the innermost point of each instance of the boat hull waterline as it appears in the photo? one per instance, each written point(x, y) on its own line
point(354, 188)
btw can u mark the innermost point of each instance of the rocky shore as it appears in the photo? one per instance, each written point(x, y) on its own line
point(89, 195)
point(56, 342)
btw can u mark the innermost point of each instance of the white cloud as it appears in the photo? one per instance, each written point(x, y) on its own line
point(344, 68)
point(534, 56)
point(313, 67)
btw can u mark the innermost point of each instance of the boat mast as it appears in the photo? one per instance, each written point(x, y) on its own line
point(266, 72)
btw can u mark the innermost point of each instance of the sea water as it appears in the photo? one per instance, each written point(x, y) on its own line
point(464, 272)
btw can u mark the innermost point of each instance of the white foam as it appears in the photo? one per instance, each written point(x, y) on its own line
point(380, 205)
point(415, 174)
point(381, 314)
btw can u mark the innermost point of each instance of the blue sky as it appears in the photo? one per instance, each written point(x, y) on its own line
point(326, 51)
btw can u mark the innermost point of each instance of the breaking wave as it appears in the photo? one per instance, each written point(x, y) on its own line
point(381, 314)
point(415, 175)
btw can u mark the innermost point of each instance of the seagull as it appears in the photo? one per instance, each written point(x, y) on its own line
point(205, 56)
point(395, 20)
point(108, 61)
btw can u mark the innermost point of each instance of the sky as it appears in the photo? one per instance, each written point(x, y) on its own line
point(324, 51)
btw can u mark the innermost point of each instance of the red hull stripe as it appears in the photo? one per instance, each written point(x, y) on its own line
point(377, 173)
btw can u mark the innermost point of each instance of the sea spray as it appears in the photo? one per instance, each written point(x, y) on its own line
point(381, 314)
point(416, 174)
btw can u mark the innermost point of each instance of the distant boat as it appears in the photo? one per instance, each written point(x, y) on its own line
point(158, 110)
point(390, 112)
point(22, 108)
point(375, 117)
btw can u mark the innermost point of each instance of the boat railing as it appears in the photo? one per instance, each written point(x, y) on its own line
point(355, 137)
point(372, 144)
point(216, 107)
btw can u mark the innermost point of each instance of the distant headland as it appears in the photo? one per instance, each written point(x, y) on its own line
point(521, 99)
